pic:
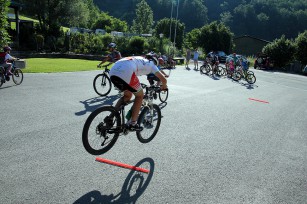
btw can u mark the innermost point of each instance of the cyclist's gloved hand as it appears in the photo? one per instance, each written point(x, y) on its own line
point(164, 87)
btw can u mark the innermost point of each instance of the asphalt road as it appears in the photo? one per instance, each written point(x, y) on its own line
point(214, 145)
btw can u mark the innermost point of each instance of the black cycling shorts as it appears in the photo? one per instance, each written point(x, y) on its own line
point(121, 84)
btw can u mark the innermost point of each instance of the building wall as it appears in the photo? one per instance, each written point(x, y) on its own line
point(248, 46)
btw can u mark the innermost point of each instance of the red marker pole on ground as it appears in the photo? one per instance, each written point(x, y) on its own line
point(258, 100)
point(119, 164)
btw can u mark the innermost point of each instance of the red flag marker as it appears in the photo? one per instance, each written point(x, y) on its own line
point(126, 166)
point(258, 100)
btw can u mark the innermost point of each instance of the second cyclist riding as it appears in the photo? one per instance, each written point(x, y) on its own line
point(102, 83)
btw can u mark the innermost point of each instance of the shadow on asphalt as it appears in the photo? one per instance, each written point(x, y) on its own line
point(249, 86)
point(133, 187)
point(93, 103)
point(5, 87)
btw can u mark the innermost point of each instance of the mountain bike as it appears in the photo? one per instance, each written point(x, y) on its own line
point(103, 126)
point(102, 83)
point(17, 75)
point(207, 67)
point(240, 73)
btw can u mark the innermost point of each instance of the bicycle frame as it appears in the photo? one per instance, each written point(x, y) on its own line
point(147, 102)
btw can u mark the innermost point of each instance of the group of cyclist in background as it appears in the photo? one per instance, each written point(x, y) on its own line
point(236, 67)
point(231, 63)
point(124, 75)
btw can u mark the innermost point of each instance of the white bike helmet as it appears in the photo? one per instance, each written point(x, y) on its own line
point(112, 45)
point(152, 56)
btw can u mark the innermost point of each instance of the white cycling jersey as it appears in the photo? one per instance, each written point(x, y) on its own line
point(129, 68)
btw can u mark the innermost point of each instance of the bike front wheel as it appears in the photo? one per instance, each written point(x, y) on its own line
point(201, 69)
point(2, 77)
point(236, 76)
point(163, 95)
point(207, 68)
point(101, 130)
point(149, 119)
point(102, 84)
point(17, 76)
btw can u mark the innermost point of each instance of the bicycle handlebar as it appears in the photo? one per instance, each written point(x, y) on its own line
point(105, 66)
point(155, 88)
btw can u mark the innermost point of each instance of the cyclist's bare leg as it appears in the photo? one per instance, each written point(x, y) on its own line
point(158, 83)
point(126, 98)
point(137, 105)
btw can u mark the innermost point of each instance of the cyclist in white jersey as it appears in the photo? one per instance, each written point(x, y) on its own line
point(124, 76)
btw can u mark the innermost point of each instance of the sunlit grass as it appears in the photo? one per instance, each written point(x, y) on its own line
point(50, 65)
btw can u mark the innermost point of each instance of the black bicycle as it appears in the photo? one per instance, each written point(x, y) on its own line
point(17, 75)
point(103, 126)
point(215, 68)
point(240, 73)
point(102, 83)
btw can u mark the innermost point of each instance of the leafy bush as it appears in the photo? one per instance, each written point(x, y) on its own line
point(215, 36)
point(301, 45)
point(4, 36)
point(137, 45)
point(281, 51)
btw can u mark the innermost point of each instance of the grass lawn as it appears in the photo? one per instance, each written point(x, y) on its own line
point(49, 65)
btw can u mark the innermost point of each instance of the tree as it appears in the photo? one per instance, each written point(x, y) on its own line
point(109, 23)
point(192, 38)
point(215, 36)
point(193, 13)
point(163, 26)
point(281, 51)
point(52, 14)
point(301, 44)
point(144, 18)
point(4, 36)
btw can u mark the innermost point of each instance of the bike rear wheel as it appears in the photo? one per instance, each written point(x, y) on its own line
point(250, 78)
point(17, 76)
point(100, 131)
point(163, 95)
point(102, 84)
point(149, 119)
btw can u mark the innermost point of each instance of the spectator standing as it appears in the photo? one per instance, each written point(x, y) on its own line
point(195, 59)
point(188, 58)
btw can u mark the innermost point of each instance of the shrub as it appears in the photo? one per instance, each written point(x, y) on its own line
point(137, 45)
point(301, 45)
point(281, 51)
